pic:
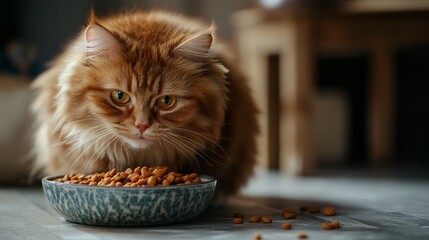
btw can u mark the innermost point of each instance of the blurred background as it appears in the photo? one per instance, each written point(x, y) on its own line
point(342, 85)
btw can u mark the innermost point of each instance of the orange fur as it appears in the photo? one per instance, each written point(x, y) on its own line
point(210, 130)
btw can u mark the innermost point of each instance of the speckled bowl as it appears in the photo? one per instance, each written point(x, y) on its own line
point(127, 207)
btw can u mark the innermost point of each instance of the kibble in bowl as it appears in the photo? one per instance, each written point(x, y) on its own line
point(101, 199)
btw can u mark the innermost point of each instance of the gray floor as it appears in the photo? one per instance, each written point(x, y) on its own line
point(368, 208)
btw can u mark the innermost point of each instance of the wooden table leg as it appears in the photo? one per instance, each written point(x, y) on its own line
point(381, 110)
point(296, 94)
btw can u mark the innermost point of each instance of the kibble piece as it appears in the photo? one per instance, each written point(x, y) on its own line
point(237, 220)
point(313, 209)
point(335, 224)
point(186, 178)
point(95, 178)
point(302, 235)
point(87, 181)
point(326, 226)
point(146, 173)
point(266, 219)
point(152, 181)
point(178, 180)
point(119, 184)
point(286, 214)
point(135, 178)
point(137, 170)
point(159, 172)
point(257, 236)
point(330, 225)
point(141, 182)
point(254, 219)
point(170, 178)
point(129, 171)
point(112, 172)
point(165, 183)
point(238, 215)
point(329, 211)
point(287, 226)
point(123, 175)
point(196, 180)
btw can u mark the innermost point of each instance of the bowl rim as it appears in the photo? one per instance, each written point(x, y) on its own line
point(210, 180)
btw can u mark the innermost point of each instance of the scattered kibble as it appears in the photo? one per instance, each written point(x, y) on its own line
point(266, 219)
point(254, 219)
point(257, 236)
point(302, 235)
point(287, 214)
point(329, 211)
point(286, 226)
point(326, 226)
point(330, 225)
point(335, 224)
point(237, 220)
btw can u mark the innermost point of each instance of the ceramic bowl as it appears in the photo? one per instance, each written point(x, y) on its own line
point(127, 207)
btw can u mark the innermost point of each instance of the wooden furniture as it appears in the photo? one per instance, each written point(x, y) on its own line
point(298, 35)
point(399, 211)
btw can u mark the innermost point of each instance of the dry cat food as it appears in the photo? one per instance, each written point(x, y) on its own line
point(329, 211)
point(330, 225)
point(286, 226)
point(266, 219)
point(302, 235)
point(254, 219)
point(237, 220)
point(287, 214)
point(257, 236)
point(137, 177)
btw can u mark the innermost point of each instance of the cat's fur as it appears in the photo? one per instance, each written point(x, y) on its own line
point(210, 130)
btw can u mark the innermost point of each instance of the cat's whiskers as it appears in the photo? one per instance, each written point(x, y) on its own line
point(184, 147)
point(72, 140)
point(206, 138)
point(100, 135)
point(201, 154)
point(67, 140)
point(78, 143)
point(109, 141)
point(127, 156)
point(166, 145)
point(73, 123)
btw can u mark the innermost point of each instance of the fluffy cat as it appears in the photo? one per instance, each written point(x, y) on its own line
point(146, 88)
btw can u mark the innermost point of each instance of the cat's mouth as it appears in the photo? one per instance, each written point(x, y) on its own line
point(139, 142)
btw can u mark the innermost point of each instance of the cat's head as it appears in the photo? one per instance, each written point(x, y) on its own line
point(140, 81)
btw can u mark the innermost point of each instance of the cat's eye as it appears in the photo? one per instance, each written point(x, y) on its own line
point(120, 97)
point(166, 102)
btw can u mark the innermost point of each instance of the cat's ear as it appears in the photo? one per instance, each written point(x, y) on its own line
point(196, 47)
point(100, 43)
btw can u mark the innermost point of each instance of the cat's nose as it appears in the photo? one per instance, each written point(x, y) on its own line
point(141, 127)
